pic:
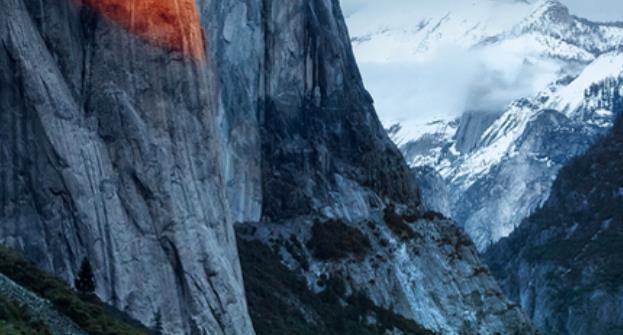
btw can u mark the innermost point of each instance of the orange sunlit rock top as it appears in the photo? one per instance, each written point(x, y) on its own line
point(171, 24)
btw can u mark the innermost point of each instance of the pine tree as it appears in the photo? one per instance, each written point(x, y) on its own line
point(617, 101)
point(85, 281)
point(157, 328)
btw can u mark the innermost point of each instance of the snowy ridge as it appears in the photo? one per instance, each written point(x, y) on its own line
point(545, 27)
point(415, 33)
point(499, 141)
point(512, 167)
point(429, 148)
point(571, 97)
point(552, 18)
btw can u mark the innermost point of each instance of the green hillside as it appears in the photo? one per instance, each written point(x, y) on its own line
point(87, 311)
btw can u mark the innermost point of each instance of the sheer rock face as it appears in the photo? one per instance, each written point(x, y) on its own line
point(118, 150)
point(434, 189)
point(142, 158)
point(321, 137)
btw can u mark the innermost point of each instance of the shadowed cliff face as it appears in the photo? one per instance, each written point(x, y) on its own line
point(173, 25)
point(564, 263)
point(323, 145)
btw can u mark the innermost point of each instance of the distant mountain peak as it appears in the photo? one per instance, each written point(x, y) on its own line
point(553, 10)
point(548, 14)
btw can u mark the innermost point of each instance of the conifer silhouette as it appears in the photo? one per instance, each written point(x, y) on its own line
point(85, 281)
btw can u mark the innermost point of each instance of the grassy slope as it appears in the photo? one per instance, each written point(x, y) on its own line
point(89, 313)
point(15, 321)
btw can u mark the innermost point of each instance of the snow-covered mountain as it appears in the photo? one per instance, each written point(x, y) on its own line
point(498, 179)
point(511, 171)
point(500, 163)
point(544, 27)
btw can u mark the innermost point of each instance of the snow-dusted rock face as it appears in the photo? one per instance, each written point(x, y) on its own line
point(550, 30)
point(433, 188)
point(499, 164)
point(552, 19)
point(563, 264)
point(537, 29)
point(507, 174)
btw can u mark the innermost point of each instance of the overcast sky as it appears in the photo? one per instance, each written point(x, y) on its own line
point(601, 10)
point(598, 10)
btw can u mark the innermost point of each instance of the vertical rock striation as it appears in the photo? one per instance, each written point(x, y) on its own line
point(113, 148)
point(320, 134)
